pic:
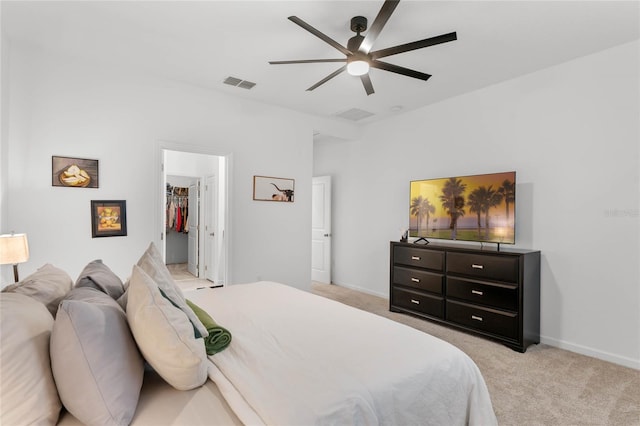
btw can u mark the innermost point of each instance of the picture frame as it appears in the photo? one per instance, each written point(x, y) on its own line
point(108, 218)
point(74, 172)
point(267, 188)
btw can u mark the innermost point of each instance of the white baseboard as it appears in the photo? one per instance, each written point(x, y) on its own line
point(364, 290)
point(594, 353)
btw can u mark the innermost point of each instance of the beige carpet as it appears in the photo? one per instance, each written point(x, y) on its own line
point(543, 386)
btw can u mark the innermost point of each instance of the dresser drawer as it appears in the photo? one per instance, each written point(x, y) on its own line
point(484, 319)
point(418, 302)
point(419, 258)
point(419, 279)
point(496, 295)
point(493, 267)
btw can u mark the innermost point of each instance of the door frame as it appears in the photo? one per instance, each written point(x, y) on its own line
point(159, 218)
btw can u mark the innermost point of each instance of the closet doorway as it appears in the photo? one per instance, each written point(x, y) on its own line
point(182, 222)
point(194, 185)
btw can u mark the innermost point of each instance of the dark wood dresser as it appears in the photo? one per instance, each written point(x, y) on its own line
point(491, 293)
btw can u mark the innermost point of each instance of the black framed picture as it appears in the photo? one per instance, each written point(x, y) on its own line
point(108, 218)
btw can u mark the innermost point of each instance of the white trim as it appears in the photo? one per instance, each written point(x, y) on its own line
point(363, 290)
point(160, 196)
point(594, 353)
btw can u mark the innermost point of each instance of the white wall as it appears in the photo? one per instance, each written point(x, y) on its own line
point(64, 106)
point(4, 130)
point(571, 132)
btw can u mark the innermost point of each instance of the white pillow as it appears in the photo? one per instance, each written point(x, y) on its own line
point(95, 361)
point(164, 334)
point(151, 262)
point(28, 393)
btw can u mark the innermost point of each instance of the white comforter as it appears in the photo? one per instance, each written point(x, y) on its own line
point(300, 359)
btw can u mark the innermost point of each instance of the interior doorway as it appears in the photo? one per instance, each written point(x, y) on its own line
point(194, 214)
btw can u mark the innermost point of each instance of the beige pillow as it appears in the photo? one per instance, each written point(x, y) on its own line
point(95, 361)
point(47, 285)
point(151, 262)
point(28, 393)
point(164, 334)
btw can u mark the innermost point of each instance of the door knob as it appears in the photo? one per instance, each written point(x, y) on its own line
point(327, 235)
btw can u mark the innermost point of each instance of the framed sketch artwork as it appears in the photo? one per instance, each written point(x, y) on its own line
point(267, 188)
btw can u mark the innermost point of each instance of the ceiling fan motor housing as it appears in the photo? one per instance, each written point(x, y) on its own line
point(353, 44)
point(358, 24)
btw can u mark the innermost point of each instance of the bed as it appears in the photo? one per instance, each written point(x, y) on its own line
point(295, 359)
point(301, 359)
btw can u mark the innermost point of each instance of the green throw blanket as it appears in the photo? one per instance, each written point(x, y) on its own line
point(218, 338)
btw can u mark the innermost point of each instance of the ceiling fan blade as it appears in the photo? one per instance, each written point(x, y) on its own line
point(307, 61)
point(320, 35)
point(400, 70)
point(327, 78)
point(444, 38)
point(378, 24)
point(366, 82)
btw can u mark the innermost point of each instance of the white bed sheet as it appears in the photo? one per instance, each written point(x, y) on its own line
point(301, 359)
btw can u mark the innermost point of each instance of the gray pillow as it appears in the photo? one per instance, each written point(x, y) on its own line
point(48, 285)
point(122, 300)
point(27, 390)
point(95, 361)
point(98, 275)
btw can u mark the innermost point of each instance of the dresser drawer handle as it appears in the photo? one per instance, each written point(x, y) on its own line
point(415, 280)
point(478, 292)
point(417, 302)
point(477, 318)
point(476, 266)
point(415, 257)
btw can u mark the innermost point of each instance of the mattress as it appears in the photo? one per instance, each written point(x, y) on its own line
point(297, 358)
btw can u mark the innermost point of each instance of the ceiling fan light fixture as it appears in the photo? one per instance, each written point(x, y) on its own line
point(358, 67)
point(359, 57)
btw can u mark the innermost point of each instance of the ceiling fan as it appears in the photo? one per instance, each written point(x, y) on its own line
point(359, 57)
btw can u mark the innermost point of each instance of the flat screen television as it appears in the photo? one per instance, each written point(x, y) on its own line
point(468, 208)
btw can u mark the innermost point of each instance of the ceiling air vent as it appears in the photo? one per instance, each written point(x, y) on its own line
point(355, 114)
point(244, 84)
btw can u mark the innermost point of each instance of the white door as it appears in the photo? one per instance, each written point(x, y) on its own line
point(192, 224)
point(321, 229)
point(211, 231)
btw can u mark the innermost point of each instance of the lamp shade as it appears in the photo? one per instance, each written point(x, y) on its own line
point(14, 249)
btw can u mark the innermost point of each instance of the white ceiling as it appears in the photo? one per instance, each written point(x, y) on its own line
point(203, 42)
